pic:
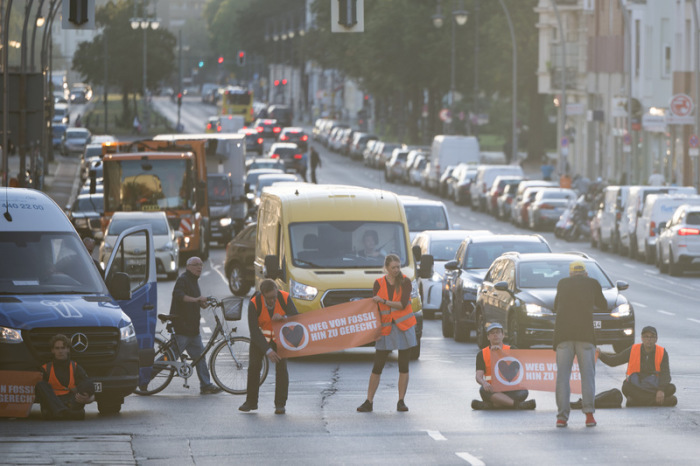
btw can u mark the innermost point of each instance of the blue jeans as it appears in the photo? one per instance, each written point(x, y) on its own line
point(194, 347)
point(585, 354)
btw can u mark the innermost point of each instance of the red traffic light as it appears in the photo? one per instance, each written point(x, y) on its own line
point(277, 82)
point(221, 60)
point(179, 96)
point(284, 82)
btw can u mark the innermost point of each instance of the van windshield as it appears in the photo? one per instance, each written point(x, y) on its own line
point(346, 244)
point(47, 263)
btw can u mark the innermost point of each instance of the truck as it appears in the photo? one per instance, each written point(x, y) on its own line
point(225, 158)
point(161, 175)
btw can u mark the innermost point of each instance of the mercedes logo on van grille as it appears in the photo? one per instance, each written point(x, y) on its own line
point(79, 342)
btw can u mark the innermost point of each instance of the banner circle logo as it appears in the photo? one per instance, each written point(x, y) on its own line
point(294, 336)
point(510, 364)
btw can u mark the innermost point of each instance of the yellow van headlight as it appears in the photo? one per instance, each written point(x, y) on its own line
point(301, 291)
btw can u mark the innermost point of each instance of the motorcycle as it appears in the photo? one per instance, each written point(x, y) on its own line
point(580, 221)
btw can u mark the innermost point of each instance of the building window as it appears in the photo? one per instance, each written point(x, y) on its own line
point(666, 64)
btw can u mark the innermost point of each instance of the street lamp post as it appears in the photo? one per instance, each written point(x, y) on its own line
point(460, 16)
point(145, 23)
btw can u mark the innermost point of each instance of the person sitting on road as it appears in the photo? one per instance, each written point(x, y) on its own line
point(65, 388)
point(648, 381)
point(490, 399)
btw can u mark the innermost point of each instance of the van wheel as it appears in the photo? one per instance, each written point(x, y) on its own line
point(462, 332)
point(649, 254)
point(447, 325)
point(110, 405)
point(236, 283)
point(481, 339)
point(663, 268)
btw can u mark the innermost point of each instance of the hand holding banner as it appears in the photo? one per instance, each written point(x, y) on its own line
point(328, 329)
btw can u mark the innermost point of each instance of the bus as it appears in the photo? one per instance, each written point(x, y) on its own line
point(238, 101)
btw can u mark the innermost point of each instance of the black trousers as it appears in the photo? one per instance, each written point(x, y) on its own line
point(53, 404)
point(644, 397)
point(281, 377)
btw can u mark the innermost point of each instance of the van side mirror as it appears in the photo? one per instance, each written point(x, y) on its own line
point(416, 253)
point(272, 268)
point(622, 286)
point(119, 286)
point(93, 181)
point(426, 266)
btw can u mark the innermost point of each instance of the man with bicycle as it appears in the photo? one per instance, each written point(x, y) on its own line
point(186, 304)
point(267, 305)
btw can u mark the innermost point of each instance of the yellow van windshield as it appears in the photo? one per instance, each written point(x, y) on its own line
point(351, 244)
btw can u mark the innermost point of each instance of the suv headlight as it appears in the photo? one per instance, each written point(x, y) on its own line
point(534, 310)
point(301, 291)
point(10, 335)
point(623, 310)
point(414, 289)
point(127, 333)
point(224, 222)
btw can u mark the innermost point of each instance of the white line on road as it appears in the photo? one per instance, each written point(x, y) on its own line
point(631, 266)
point(206, 329)
point(216, 269)
point(694, 320)
point(665, 312)
point(436, 435)
point(636, 304)
point(473, 460)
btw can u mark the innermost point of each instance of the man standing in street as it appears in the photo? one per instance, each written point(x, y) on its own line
point(186, 303)
point(577, 296)
point(265, 306)
point(315, 162)
point(648, 381)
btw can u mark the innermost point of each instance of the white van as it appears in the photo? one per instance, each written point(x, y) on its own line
point(485, 175)
point(633, 210)
point(614, 203)
point(658, 209)
point(451, 150)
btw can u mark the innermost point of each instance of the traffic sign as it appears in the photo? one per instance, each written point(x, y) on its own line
point(565, 142)
point(626, 139)
point(693, 142)
point(445, 115)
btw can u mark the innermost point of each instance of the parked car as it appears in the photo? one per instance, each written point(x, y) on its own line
point(413, 154)
point(74, 140)
point(296, 135)
point(92, 154)
point(295, 160)
point(497, 187)
point(547, 206)
point(359, 143)
point(485, 176)
point(86, 215)
point(678, 246)
point(516, 210)
point(416, 169)
point(464, 274)
point(518, 292)
point(58, 130)
point(461, 185)
point(435, 248)
point(505, 201)
point(395, 165)
point(424, 214)
point(165, 239)
point(614, 202)
point(445, 179)
point(238, 265)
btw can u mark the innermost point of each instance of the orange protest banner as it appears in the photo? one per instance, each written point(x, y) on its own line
point(328, 329)
point(534, 369)
point(17, 392)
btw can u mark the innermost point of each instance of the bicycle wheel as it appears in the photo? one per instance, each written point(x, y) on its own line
point(230, 368)
point(161, 374)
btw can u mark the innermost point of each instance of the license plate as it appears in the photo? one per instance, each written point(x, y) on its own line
point(597, 324)
point(98, 387)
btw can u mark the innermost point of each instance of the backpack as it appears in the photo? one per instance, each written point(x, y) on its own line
point(608, 399)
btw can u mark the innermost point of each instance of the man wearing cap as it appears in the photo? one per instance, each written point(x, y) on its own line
point(648, 381)
point(514, 399)
point(577, 296)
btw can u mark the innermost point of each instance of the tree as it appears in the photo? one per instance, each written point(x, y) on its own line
point(124, 52)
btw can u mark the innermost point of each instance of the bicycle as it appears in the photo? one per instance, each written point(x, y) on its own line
point(228, 362)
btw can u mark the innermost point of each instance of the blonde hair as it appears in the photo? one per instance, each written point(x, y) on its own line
point(388, 260)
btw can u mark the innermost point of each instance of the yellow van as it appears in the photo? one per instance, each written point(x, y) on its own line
point(316, 242)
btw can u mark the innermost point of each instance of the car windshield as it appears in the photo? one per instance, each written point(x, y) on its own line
point(158, 225)
point(218, 190)
point(285, 152)
point(481, 255)
point(444, 249)
point(47, 263)
point(425, 217)
point(547, 273)
point(58, 130)
point(346, 244)
point(77, 133)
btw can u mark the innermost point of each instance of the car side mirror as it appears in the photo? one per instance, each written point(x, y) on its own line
point(662, 225)
point(272, 268)
point(426, 266)
point(417, 253)
point(502, 286)
point(119, 286)
point(451, 265)
point(622, 286)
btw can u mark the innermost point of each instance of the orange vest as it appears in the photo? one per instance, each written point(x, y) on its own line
point(635, 362)
point(58, 388)
point(264, 320)
point(487, 360)
point(403, 318)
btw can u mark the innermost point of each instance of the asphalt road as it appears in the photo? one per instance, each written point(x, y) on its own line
point(178, 426)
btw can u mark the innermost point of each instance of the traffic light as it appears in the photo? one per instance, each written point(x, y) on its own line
point(284, 82)
point(221, 60)
point(277, 82)
point(201, 63)
point(179, 98)
point(241, 58)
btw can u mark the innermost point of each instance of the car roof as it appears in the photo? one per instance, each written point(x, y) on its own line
point(551, 257)
point(413, 200)
point(139, 214)
point(452, 234)
point(507, 237)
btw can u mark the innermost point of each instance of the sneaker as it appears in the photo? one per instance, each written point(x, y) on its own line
point(590, 420)
point(401, 406)
point(210, 390)
point(280, 410)
point(670, 401)
point(478, 405)
point(561, 423)
point(245, 407)
point(365, 407)
point(529, 404)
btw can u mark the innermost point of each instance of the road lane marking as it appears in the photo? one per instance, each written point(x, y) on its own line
point(631, 266)
point(694, 320)
point(636, 304)
point(206, 329)
point(473, 460)
point(216, 269)
point(436, 435)
point(665, 312)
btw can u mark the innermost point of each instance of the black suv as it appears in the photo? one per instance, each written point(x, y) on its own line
point(464, 275)
point(519, 290)
point(281, 113)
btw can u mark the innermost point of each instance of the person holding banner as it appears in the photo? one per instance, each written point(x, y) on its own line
point(648, 381)
point(514, 399)
point(577, 296)
point(65, 388)
point(267, 305)
point(392, 293)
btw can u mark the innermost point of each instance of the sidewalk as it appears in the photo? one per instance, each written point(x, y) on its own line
point(62, 180)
